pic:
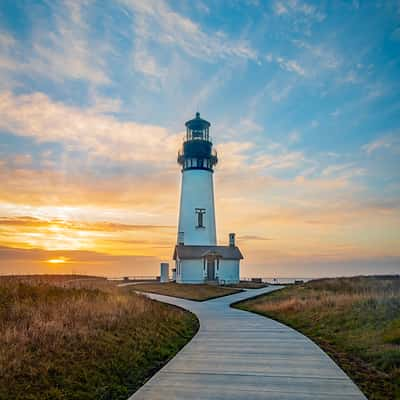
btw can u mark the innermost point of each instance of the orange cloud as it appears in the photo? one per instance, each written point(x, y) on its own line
point(53, 187)
point(107, 237)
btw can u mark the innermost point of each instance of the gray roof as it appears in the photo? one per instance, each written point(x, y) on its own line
point(191, 252)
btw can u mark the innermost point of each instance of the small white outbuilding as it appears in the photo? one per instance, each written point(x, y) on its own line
point(200, 264)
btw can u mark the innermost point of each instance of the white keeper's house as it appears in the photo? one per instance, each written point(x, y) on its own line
point(198, 258)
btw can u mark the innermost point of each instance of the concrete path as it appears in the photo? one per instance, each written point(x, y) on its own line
point(240, 355)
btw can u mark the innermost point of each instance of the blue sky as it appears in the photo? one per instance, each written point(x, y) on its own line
point(304, 103)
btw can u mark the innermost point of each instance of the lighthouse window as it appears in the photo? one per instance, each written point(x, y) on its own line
point(200, 217)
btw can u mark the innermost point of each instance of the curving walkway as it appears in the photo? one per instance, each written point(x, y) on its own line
point(240, 355)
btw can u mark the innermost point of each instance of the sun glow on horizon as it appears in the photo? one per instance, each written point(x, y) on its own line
point(57, 260)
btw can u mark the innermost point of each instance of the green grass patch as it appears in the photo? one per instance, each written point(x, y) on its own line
point(355, 320)
point(83, 344)
point(198, 292)
point(248, 285)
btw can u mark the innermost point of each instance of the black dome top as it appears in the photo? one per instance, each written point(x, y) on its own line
point(197, 123)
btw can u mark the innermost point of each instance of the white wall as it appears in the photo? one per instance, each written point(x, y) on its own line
point(229, 271)
point(197, 191)
point(190, 271)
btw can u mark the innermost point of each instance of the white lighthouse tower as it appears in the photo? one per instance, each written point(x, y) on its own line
point(197, 255)
point(197, 210)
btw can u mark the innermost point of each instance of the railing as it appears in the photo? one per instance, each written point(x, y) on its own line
point(188, 138)
point(213, 153)
point(277, 280)
point(134, 278)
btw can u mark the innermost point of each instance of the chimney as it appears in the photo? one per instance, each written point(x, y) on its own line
point(181, 238)
point(232, 240)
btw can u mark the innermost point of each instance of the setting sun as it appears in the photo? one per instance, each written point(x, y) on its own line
point(57, 260)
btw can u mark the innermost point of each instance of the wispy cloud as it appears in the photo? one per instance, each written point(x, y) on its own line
point(322, 55)
point(294, 137)
point(253, 238)
point(67, 52)
point(335, 113)
point(280, 8)
point(9, 64)
point(287, 64)
point(280, 161)
point(7, 46)
point(389, 142)
point(298, 7)
point(333, 169)
point(146, 63)
point(343, 171)
point(101, 226)
point(156, 22)
point(291, 65)
point(104, 105)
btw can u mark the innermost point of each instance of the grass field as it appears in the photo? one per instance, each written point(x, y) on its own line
point(355, 320)
point(248, 285)
point(82, 343)
point(186, 291)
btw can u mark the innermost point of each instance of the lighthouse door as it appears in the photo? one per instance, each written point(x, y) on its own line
point(210, 269)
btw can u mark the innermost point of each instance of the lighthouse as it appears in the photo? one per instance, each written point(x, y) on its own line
point(197, 255)
point(197, 160)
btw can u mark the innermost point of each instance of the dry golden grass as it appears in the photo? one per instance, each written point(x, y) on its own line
point(61, 315)
point(53, 279)
point(197, 292)
point(80, 343)
point(356, 320)
point(64, 281)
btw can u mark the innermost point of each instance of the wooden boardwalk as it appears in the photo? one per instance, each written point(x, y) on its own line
point(240, 355)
